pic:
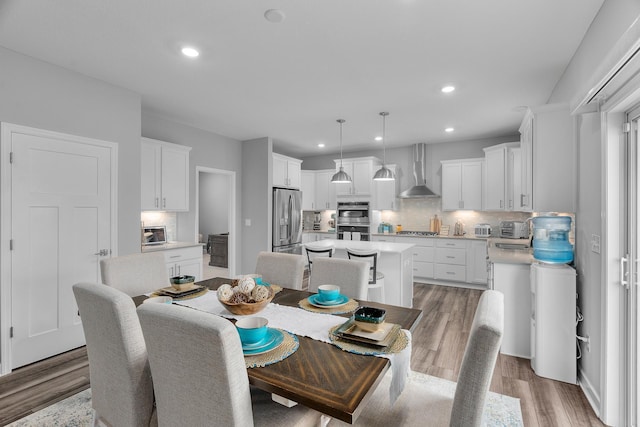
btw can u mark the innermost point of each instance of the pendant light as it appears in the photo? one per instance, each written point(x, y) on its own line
point(384, 173)
point(341, 177)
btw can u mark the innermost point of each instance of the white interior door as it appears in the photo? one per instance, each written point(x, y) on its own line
point(61, 195)
point(632, 400)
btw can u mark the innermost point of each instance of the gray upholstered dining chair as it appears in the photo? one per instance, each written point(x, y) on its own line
point(352, 276)
point(199, 373)
point(376, 277)
point(286, 270)
point(121, 385)
point(422, 403)
point(135, 274)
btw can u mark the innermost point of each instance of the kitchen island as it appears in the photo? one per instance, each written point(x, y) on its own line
point(395, 261)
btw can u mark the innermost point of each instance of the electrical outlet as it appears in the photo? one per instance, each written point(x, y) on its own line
point(247, 222)
point(595, 243)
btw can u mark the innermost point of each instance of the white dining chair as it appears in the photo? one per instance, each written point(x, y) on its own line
point(199, 373)
point(286, 270)
point(376, 277)
point(313, 252)
point(135, 274)
point(121, 385)
point(352, 276)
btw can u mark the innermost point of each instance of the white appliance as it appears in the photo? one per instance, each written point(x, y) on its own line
point(287, 221)
point(514, 230)
point(482, 230)
point(553, 322)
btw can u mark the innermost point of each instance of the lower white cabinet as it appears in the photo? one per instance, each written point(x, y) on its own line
point(423, 256)
point(451, 260)
point(477, 266)
point(184, 261)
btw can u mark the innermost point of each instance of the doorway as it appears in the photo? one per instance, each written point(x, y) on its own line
point(216, 217)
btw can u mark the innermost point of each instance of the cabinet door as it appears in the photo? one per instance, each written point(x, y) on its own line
point(471, 189)
point(293, 174)
point(477, 271)
point(362, 177)
point(325, 190)
point(307, 185)
point(279, 171)
point(525, 199)
point(175, 179)
point(150, 155)
point(514, 182)
point(190, 267)
point(385, 193)
point(451, 175)
point(495, 179)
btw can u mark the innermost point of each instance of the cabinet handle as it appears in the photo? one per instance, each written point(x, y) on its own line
point(175, 256)
point(164, 202)
point(179, 269)
point(157, 200)
point(501, 204)
point(450, 257)
point(450, 272)
point(171, 274)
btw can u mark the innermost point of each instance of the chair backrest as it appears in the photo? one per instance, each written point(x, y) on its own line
point(121, 386)
point(369, 256)
point(286, 270)
point(479, 360)
point(199, 374)
point(352, 276)
point(135, 274)
point(317, 251)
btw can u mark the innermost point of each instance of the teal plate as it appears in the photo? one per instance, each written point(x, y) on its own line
point(338, 302)
point(273, 339)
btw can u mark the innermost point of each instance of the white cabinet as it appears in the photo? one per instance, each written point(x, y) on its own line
point(514, 174)
point(384, 197)
point(477, 268)
point(462, 184)
point(497, 177)
point(548, 155)
point(514, 282)
point(361, 171)
point(286, 171)
point(184, 262)
point(164, 171)
point(325, 190)
point(451, 260)
point(308, 187)
point(423, 256)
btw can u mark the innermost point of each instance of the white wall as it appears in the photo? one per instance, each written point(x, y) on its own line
point(44, 96)
point(214, 197)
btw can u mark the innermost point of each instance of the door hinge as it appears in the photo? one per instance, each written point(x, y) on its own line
point(11, 157)
point(626, 127)
point(11, 332)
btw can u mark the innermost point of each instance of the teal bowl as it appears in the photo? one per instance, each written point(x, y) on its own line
point(252, 330)
point(328, 293)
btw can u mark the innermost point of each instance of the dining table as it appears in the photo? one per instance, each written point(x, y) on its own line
point(320, 375)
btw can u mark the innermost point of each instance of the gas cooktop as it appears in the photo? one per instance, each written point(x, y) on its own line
point(417, 233)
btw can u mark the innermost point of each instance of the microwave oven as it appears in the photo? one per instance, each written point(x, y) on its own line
point(514, 230)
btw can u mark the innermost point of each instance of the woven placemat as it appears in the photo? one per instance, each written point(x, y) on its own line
point(397, 346)
point(287, 348)
point(350, 306)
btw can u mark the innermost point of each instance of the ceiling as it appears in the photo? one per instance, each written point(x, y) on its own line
point(327, 59)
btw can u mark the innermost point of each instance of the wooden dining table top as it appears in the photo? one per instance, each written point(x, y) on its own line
point(320, 375)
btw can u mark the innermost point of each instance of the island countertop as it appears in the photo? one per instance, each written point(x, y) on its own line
point(382, 247)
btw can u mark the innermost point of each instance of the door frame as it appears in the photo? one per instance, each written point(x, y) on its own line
point(6, 132)
point(231, 212)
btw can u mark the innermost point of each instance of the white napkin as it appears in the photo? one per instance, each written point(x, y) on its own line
point(346, 235)
point(355, 235)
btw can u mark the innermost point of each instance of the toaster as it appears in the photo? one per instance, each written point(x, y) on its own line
point(482, 230)
point(514, 230)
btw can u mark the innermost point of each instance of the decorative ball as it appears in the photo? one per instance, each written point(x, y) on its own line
point(238, 298)
point(225, 292)
point(260, 293)
point(246, 285)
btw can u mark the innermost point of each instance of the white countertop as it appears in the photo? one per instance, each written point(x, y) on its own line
point(389, 247)
point(170, 245)
point(413, 236)
point(509, 256)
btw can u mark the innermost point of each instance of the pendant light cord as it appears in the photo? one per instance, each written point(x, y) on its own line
point(384, 138)
point(341, 121)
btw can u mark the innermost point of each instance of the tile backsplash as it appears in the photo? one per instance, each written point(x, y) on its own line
point(168, 219)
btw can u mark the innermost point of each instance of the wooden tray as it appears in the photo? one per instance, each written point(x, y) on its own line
point(384, 337)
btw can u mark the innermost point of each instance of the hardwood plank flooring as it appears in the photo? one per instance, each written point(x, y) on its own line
point(438, 347)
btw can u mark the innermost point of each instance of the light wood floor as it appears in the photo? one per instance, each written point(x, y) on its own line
point(438, 346)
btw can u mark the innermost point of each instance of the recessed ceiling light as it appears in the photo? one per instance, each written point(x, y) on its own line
point(448, 89)
point(321, 145)
point(274, 15)
point(190, 52)
point(378, 138)
point(449, 129)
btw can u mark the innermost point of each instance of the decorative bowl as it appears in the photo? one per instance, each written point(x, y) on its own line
point(245, 308)
point(369, 318)
point(252, 330)
point(180, 283)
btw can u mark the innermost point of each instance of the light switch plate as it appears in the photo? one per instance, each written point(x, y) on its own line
point(595, 243)
point(247, 222)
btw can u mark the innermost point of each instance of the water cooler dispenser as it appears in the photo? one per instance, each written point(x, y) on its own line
point(553, 301)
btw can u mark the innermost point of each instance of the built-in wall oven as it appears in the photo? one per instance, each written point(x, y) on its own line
point(353, 221)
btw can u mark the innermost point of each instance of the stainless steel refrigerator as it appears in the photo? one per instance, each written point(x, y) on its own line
point(287, 221)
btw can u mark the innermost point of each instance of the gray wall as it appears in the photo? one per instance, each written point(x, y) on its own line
point(256, 200)
point(44, 96)
point(214, 196)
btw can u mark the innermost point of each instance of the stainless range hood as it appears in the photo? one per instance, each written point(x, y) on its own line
point(420, 190)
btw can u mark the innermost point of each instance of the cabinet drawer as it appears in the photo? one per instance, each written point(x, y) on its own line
point(423, 269)
point(176, 255)
point(450, 272)
point(385, 239)
point(451, 256)
point(418, 241)
point(450, 243)
point(421, 253)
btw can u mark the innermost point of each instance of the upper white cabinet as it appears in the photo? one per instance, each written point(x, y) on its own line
point(548, 154)
point(325, 190)
point(286, 171)
point(361, 171)
point(514, 174)
point(164, 170)
point(462, 184)
point(308, 187)
point(497, 184)
point(384, 197)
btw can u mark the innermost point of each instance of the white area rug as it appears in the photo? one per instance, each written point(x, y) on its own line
point(430, 396)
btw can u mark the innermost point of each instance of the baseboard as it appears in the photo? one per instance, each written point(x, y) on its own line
point(590, 392)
